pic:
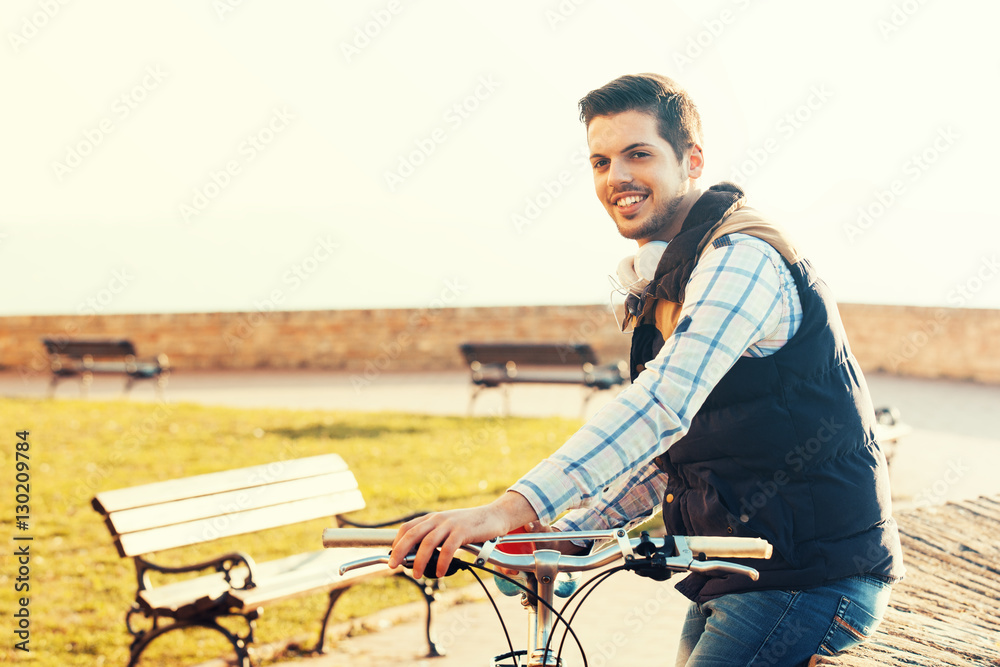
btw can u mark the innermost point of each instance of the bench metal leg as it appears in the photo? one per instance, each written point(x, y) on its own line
point(143, 638)
point(427, 590)
point(334, 596)
point(586, 400)
point(472, 399)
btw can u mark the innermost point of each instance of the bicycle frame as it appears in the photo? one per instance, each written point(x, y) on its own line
point(644, 555)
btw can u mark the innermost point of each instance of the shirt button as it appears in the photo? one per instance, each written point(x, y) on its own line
point(669, 498)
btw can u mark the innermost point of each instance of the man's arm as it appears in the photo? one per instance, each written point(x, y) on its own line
point(733, 301)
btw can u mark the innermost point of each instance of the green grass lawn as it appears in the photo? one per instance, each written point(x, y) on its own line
point(80, 589)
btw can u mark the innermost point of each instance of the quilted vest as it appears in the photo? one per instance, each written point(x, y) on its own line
point(783, 447)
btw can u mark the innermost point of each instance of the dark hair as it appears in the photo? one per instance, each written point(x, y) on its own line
point(676, 115)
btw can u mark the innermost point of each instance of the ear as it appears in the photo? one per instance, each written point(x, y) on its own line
point(695, 162)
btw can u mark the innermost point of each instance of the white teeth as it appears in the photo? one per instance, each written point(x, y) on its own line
point(628, 201)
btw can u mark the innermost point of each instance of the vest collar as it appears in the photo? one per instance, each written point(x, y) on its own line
point(679, 258)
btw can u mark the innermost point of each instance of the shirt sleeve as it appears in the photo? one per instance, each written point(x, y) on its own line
point(732, 301)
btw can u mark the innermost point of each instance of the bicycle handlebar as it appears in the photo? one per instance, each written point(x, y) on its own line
point(690, 553)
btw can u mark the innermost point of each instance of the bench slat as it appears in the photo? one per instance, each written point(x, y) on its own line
point(230, 502)
point(275, 580)
point(306, 573)
point(217, 482)
point(204, 530)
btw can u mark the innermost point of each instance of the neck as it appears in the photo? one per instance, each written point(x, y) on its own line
point(671, 230)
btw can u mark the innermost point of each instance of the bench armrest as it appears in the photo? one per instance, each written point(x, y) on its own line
point(225, 564)
point(342, 521)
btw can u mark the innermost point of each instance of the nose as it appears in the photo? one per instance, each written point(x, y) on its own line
point(618, 174)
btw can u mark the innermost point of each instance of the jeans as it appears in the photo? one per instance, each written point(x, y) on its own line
point(780, 627)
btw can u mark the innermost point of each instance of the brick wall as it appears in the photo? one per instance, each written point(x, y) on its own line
point(926, 342)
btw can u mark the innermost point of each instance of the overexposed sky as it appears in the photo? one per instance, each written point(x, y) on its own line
point(233, 155)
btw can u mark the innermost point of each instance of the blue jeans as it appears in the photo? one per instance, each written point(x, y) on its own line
point(782, 627)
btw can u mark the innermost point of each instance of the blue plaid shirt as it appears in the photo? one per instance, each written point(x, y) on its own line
point(741, 301)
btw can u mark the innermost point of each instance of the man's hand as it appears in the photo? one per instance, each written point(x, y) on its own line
point(451, 529)
point(561, 546)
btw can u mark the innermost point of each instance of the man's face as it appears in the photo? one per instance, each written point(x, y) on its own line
point(637, 175)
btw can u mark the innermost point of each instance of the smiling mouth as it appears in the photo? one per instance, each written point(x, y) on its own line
point(630, 203)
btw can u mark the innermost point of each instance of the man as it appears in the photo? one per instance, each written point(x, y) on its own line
point(747, 416)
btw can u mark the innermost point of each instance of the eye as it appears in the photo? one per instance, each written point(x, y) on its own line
point(640, 154)
point(600, 163)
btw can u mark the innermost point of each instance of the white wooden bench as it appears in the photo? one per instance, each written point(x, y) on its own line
point(166, 515)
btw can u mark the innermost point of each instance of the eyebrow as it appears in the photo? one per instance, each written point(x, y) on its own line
point(640, 144)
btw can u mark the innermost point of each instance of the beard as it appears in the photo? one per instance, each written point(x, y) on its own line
point(659, 219)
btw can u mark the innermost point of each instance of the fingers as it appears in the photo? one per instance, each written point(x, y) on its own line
point(423, 535)
point(408, 537)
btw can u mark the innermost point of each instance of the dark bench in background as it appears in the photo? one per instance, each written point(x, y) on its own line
point(85, 358)
point(889, 430)
point(503, 364)
point(190, 511)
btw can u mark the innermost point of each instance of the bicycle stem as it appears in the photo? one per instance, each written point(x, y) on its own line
point(546, 569)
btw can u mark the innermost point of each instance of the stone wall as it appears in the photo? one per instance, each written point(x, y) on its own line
point(925, 342)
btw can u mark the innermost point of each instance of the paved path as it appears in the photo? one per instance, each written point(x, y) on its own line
point(952, 454)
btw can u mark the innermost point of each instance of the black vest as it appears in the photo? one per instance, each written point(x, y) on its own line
point(783, 447)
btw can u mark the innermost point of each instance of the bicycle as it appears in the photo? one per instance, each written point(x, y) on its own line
point(657, 558)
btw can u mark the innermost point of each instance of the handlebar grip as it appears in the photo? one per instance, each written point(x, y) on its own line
point(358, 537)
point(730, 547)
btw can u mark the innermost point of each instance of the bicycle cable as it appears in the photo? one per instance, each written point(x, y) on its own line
point(589, 586)
point(559, 617)
point(496, 609)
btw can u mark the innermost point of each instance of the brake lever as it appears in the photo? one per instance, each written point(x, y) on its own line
point(455, 565)
point(713, 566)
